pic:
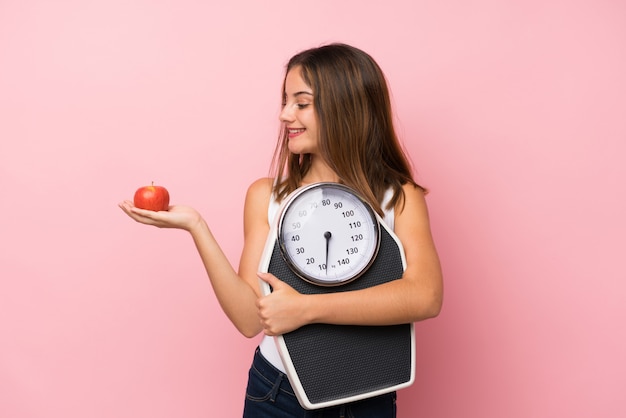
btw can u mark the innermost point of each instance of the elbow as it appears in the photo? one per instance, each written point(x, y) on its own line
point(249, 335)
point(249, 332)
point(435, 308)
point(432, 307)
point(246, 324)
point(428, 312)
point(434, 301)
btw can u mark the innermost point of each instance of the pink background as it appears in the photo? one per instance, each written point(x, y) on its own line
point(514, 113)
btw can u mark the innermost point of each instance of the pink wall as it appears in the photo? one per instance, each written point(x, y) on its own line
point(513, 112)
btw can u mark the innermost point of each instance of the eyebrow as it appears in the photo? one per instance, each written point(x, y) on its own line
point(300, 93)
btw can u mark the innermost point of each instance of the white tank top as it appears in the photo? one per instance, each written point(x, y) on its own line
point(268, 345)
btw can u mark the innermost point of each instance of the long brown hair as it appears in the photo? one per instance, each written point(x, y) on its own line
point(356, 134)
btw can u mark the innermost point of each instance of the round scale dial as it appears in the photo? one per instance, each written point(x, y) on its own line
point(327, 234)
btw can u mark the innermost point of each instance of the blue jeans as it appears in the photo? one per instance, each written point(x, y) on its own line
point(269, 395)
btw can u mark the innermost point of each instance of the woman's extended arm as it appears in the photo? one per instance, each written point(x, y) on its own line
point(236, 292)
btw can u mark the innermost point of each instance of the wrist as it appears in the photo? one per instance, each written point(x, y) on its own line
point(310, 312)
point(197, 225)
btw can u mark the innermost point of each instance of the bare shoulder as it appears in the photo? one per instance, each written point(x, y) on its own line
point(412, 219)
point(414, 203)
point(257, 201)
point(260, 190)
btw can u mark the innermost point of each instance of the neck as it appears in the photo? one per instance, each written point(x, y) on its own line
point(320, 172)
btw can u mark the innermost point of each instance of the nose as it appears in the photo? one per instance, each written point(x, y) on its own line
point(286, 114)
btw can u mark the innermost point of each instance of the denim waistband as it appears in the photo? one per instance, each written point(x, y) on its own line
point(270, 372)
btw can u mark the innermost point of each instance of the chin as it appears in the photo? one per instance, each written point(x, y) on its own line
point(298, 150)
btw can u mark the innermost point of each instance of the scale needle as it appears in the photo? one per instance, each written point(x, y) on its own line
point(327, 235)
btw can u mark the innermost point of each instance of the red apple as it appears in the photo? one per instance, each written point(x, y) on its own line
point(152, 197)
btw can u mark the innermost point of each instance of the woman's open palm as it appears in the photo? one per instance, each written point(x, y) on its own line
point(180, 217)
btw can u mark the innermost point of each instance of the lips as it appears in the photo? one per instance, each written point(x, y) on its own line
point(294, 132)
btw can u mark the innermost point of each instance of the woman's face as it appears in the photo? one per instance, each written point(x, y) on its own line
point(298, 115)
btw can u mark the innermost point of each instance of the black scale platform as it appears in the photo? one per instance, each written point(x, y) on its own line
point(335, 363)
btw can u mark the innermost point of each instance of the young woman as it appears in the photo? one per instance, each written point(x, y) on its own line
point(337, 127)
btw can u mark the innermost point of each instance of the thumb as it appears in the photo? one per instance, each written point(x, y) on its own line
point(270, 279)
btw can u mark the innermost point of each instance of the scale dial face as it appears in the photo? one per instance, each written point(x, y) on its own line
point(327, 234)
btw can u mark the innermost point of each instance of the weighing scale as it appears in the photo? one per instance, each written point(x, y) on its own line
point(326, 238)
